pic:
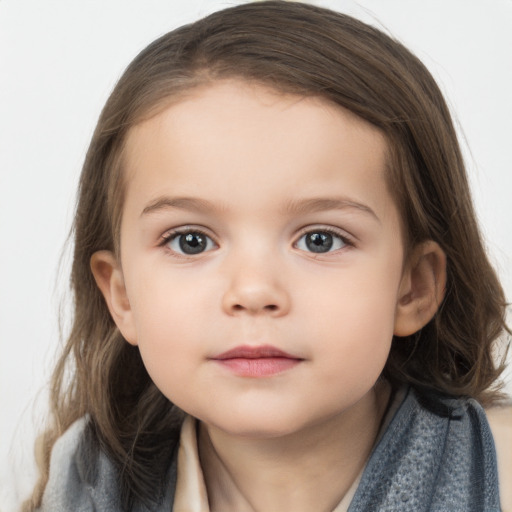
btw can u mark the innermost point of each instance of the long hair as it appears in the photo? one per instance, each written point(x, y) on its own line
point(300, 49)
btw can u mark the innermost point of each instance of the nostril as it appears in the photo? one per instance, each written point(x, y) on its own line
point(268, 307)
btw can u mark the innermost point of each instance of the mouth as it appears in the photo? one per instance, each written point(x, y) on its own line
point(260, 361)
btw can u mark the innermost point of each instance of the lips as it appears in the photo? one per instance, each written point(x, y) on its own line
point(247, 352)
point(261, 361)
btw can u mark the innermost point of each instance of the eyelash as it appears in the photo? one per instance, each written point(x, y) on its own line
point(169, 236)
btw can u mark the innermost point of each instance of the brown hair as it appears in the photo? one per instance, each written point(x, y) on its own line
point(307, 50)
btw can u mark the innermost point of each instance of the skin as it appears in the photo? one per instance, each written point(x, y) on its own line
point(263, 170)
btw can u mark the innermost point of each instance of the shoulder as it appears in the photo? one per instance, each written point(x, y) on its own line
point(437, 453)
point(84, 479)
point(81, 478)
point(500, 420)
point(467, 475)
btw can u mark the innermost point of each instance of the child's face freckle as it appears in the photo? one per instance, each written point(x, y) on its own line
point(265, 179)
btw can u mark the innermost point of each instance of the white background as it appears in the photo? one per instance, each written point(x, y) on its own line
point(59, 59)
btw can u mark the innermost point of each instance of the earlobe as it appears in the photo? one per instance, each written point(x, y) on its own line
point(422, 288)
point(109, 279)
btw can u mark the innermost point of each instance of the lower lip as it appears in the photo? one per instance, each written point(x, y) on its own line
point(259, 367)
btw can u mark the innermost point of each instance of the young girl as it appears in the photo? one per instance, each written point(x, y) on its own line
point(282, 300)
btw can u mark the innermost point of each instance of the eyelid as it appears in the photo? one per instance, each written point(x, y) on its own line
point(187, 228)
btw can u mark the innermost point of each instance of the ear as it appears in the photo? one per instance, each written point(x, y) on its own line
point(109, 277)
point(422, 288)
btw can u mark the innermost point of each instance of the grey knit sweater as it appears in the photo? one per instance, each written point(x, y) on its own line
point(436, 455)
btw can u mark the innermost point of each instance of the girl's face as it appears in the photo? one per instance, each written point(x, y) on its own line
point(261, 257)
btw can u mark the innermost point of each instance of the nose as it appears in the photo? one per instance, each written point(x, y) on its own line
point(255, 288)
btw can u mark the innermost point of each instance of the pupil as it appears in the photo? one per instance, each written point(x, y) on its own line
point(192, 243)
point(319, 242)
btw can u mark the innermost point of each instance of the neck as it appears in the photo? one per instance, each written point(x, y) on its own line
point(311, 469)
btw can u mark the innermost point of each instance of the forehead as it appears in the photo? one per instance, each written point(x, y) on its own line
point(232, 140)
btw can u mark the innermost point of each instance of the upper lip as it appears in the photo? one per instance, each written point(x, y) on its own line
point(256, 352)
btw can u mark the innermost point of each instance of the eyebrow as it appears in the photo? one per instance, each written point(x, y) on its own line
point(313, 205)
point(296, 207)
point(183, 203)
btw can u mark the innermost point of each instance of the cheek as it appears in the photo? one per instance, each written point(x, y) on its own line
point(165, 304)
point(356, 320)
point(355, 351)
point(168, 326)
point(170, 355)
point(360, 335)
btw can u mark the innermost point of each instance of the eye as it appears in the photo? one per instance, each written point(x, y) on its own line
point(321, 241)
point(189, 242)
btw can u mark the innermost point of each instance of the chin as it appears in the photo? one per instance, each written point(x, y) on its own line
point(258, 425)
